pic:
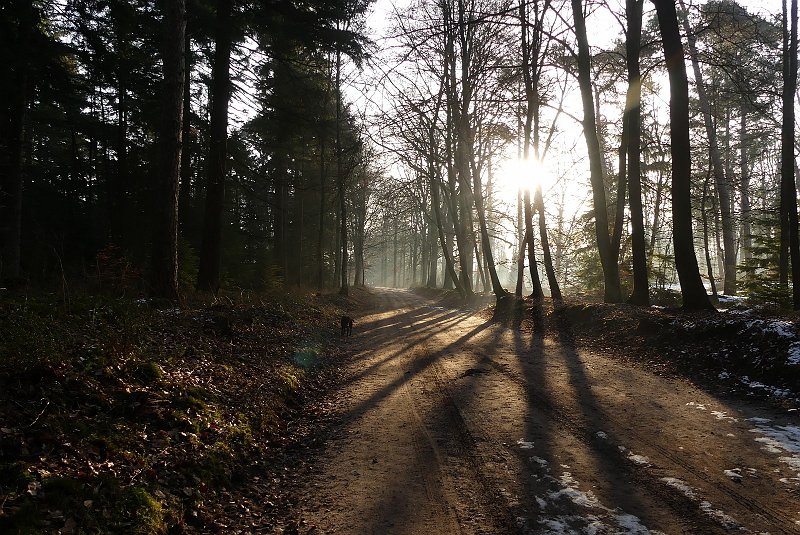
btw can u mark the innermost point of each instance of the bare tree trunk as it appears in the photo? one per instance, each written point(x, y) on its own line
point(164, 261)
point(340, 178)
point(641, 284)
point(788, 190)
point(704, 214)
point(613, 291)
point(744, 186)
point(521, 248)
point(185, 189)
point(720, 181)
point(692, 289)
point(12, 135)
point(208, 277)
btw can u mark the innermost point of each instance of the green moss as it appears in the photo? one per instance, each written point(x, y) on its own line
point(140, 512)
point(148, 372)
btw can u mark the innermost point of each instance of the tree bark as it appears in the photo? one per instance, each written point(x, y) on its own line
point(208, 277)
point(613, 291)
point(12, 134)
point(164, 276)
point(185, 189)
point(788, 198)
point(340, 178)
point(720, 180)
point(641, 285)
point(692, 289)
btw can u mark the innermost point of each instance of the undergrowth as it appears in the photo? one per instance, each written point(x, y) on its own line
point(130, 416)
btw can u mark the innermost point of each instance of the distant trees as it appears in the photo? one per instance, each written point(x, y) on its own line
point(282, 181)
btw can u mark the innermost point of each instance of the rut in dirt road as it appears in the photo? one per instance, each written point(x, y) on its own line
point(451, 423)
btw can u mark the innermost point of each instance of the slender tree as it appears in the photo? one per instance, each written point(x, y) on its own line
point(164, 275)
point(633, 120)
point(613, 291)
point(788, 197)
point(692, 289)
point(208, 277)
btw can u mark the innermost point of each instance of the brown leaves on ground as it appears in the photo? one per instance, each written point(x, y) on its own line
point(119, 416)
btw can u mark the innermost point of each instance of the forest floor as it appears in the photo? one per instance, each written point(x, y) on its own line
point(253, 415)
point(584, 419)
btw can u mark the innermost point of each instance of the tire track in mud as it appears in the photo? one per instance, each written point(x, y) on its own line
point(644, 475)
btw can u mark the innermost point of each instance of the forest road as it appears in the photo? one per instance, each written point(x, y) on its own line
point(450, 423)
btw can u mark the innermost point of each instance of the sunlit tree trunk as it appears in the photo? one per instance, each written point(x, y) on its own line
point(692, 289)
point(164, 261)
point(208, 277)
point(613, 291)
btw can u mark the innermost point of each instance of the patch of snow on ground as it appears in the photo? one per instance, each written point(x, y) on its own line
point(726, 520)
point(680, 485)
point(698, 406)
point(757, 420)
point(724, 416)
point(735, 473)
point(639, 459)
point(707, 507)
point(596, 523)
point(780, 439)
point(771, 390)
point(793, 357)
point(523, 445)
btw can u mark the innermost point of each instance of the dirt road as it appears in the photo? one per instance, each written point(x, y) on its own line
point(451, 424)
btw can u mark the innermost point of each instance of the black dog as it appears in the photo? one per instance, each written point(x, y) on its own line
point(347, 326)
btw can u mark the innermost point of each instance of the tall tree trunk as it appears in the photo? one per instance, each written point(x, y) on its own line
point(704, 213)
point(322, 210)
point(164, 276)
point(788, 189)
point(521, 247)
point(720, 181)
point(613, 291)
point(340, 178)
point(552, 280)
point(692, 289)
point(208, 277)
point(477, 194)
point(538, 292)
point(744, 185)
point(185, 189)
point(641, 290)
point(12, 135)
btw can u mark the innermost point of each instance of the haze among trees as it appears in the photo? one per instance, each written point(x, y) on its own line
point(480, 146)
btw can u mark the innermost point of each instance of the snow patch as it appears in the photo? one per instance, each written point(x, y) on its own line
point(793, 356)
point(523, 445)
point(680, 485)
point(780, 439)
point(641, 460)
point(602, 519)
point(724, 519)
point(707, 507)
point(724, 416)
point(735, 474)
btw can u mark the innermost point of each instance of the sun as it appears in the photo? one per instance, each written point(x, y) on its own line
point(517, 173)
